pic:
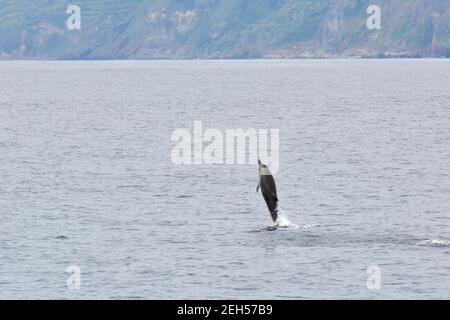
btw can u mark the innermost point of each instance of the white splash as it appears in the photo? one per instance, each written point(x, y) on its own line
point(284, 223)
point(434, 243)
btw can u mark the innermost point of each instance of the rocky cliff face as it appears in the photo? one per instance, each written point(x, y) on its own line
point(152, 29)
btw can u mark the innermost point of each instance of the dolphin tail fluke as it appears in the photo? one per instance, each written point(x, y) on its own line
point(274, 215)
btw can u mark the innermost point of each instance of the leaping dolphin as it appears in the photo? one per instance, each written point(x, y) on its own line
point(268, 189)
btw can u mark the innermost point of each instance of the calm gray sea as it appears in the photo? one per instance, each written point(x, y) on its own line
point(87, 180)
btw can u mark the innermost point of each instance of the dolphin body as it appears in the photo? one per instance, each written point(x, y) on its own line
point(268, 189)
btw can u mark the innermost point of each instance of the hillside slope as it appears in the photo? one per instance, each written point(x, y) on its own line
point(152, 29)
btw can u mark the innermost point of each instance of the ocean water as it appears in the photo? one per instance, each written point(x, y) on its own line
point(87, 180)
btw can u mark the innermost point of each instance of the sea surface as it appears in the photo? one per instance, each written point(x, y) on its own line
point(88, 182)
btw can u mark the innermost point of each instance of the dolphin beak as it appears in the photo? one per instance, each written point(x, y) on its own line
point(259, 162)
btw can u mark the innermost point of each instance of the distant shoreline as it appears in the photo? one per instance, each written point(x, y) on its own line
point(235, 59)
